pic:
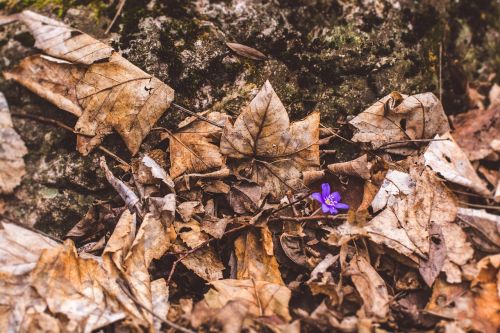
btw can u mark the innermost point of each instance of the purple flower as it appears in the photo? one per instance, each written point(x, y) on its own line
point(330, 202)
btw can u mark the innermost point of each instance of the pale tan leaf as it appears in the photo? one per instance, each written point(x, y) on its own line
point(265, 298)
point(253, 261)
point(58, 40)
point(271, 151)
point(430, 269)
point(393, 120)
point(194, 148)
point(447, 159)
point(246, 51)
point(160, 295)
point(370, 286)
point(155, 171)
point(12, 150)
point(50, 79)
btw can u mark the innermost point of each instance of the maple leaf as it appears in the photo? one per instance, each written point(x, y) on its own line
point(12, 150)
point(93, 82)
point(267, 148)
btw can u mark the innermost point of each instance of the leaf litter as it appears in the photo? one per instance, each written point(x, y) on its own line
point(231, 233)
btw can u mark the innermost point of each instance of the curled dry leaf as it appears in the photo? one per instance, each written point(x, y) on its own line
point(293, 246)
point(255, 257)
point(360, 167)
point(246, 51)
point(476, 129)
point(149, 169)
point(393, 120)
point(93, 82)
point(194, 148)
point(371, 288)
point(130, 198)
point(322, 281)
point(269, 150)
point(264, 298)
point(447, 159)
point(12, 150)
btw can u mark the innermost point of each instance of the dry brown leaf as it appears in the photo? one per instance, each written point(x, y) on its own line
point(269, 150)
point(194, 148)
point(244, 197)
point(188, 208)
point(293, 247)
point(246, 51)
point(264, 298)
point(58, 40)
point(12, 150)
point(370, 286)
point(430, 269)
point(255, 258)
point(477, 310)
point(485, 228)
point(322, 281)
point(447, 159)
point(476, 129)
point(150, 172)
point(205, 263)
point(108, 93)
point(393, 120)
point(52, 79)
point(190, 233)
point(360, 167)
point(47, 284)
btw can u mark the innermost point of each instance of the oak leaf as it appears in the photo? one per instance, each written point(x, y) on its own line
point(267, 148)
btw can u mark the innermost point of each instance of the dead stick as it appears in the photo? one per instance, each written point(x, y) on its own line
point(183, 109)
point(119, 10)
point(69, 129)
point(407, 141)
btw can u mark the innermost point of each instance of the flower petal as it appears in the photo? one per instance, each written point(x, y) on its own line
point(333, 210)
point(336, 196)
point(342, 206)
point(317, 196)
point(325, 190)
point(325, 208)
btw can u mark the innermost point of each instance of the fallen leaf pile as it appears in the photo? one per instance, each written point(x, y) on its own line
point(220, 233)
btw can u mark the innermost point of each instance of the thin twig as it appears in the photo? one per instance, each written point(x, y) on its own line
point(163, 320)
point(69, 129)
point(119, 10)
point(293, 203)
point(441, 71)
point(328, 151)
point(196, 248)
point(335, 134)
point(183, 109)
point(467, 193)
point(309, 218)
point(407, 141)
point(480, 206)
